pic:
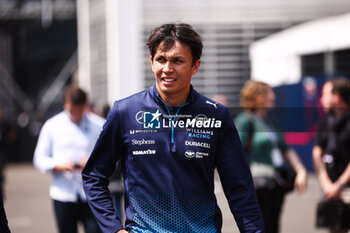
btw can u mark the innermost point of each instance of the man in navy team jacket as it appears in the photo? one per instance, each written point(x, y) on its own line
point(169, 140)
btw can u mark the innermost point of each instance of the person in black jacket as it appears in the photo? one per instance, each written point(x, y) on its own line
point(331, 153)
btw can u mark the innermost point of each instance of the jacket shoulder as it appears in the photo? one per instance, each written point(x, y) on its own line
point(211, 105)
point(132, 99)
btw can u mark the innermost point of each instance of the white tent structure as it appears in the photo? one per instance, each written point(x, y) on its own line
point(277, 59)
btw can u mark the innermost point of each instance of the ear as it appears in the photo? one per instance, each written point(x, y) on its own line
point(195, 67)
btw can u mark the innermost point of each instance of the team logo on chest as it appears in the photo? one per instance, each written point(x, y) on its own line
point(151, 120)
point(198, 155)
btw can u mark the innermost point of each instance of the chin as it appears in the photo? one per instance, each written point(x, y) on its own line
point(166, 89)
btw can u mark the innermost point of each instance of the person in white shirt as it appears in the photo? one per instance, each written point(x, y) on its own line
point(64, 145)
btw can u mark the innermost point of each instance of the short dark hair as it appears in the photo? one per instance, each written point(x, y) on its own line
point(75, 95)
point(170, 33)
point(341, 86)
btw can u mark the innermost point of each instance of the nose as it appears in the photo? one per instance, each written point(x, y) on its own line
point(167, 67)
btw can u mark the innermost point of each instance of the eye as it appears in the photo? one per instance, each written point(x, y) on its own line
point(178, 60)
point(160, 59)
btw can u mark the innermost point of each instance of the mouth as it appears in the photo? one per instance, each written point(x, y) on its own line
point(168, 80)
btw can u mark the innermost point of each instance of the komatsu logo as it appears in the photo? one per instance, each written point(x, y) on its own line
point(144, 152)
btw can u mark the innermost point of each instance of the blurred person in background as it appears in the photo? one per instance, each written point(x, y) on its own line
point(331, 153)
point(3, 219)
point(64, 145)
point(221, 99)
point(8, 146)
point(4, 228)
point(168, 172)
point(267, 152)
point(3, 154)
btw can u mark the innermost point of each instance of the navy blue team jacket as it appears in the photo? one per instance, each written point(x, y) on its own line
point(168, 163)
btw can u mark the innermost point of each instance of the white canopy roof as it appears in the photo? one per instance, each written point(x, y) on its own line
point(276, 59)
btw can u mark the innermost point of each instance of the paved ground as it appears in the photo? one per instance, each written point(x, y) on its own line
point(29, 209)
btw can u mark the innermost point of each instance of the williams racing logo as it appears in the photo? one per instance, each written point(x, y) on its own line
point(155, 120)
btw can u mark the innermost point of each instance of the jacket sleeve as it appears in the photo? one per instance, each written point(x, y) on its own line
point(97, 171)
point(236, 179)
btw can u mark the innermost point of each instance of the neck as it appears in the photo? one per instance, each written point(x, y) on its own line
point(174, 100)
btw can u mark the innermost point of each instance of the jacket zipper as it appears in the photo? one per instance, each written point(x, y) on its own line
point(171, 119)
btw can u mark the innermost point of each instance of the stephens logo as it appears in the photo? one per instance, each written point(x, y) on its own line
point(143, 142)
point(151, 120)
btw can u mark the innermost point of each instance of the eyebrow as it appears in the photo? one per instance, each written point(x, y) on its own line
point(175, 57)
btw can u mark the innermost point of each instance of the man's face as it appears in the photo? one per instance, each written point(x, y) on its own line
point(173, 70)
point(327, 97)
point(76, 112)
